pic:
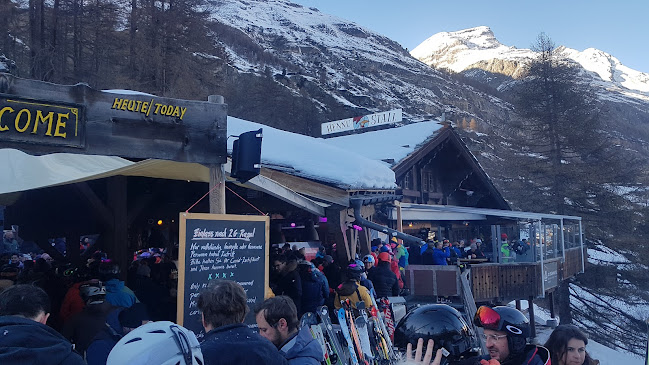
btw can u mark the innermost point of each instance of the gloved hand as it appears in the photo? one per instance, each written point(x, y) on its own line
point(489, 362)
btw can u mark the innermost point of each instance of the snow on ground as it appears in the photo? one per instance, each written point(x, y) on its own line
point(634, 307)
point(312, 158)
point(603, 255)
point(605, 355)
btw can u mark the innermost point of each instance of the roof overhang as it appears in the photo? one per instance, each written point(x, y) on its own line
point(432, 211)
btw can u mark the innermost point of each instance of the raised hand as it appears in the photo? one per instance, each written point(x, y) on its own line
point(426, 360)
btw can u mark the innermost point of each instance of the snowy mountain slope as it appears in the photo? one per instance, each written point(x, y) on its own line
point(340, 67)
point(477, 47)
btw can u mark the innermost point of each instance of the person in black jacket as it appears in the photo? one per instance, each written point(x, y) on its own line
point(385, 281)
point(24, 337)
point(227, 340)
point(289, 282)
point(314, 290)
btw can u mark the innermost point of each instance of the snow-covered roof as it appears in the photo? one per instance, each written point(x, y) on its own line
point(392, 144)
point(315, 159)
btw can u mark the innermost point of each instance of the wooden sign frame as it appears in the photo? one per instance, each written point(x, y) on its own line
point(39, 118)
point(182, 250)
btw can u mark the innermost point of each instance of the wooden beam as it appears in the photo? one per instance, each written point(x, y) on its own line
point(309, 188)
point(100, 210)
point(279, 191)
point(94, 122)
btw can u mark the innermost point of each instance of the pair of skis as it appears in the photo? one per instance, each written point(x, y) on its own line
point(348, 329)
point(362, 339)
point(383, 336)
point(365, 335)
point(310, 321)
point(332, 341)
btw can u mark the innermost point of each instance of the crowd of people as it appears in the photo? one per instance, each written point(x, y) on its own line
point(53, 313)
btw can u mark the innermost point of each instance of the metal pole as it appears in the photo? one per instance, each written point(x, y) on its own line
point(541, 239)
point(563, 244)
point(530, 304)
point(581, 246)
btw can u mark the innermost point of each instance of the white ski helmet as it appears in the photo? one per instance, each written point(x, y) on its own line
point(157, 343)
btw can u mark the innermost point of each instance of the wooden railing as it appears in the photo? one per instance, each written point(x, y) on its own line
point(493, 282)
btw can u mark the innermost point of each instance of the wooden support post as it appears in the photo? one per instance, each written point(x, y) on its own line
point(117, 204)
point(217, 189)
point(530, 303)
point(217, 175)
point(351, 244)
point(367, 211)
point(337, 227)
point(399, 221)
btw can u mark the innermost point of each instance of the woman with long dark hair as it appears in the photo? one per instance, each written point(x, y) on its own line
point(567, 345)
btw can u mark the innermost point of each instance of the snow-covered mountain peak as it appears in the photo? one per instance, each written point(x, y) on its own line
point(457, 51)
point(477, 48)
point(609, 68)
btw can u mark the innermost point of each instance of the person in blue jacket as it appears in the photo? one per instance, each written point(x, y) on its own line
point(314, 290)
point(278, 322)
point(117, 294)
point(223, 306)
point(440, 253)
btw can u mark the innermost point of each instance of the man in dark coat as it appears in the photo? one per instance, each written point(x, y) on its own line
point(227, 340)
point(82, 327)
point(289, 282)
point(24, 337)
point(314, 290)
point(119, 322)
point(385, 281)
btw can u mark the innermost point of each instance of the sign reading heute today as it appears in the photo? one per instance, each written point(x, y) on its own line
point(220, 247)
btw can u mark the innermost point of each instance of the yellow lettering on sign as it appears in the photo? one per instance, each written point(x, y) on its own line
point(41, 119)
point(5, 109)
point(60, 124)
point(117, 104)
point(17, 121)
point(146, 107)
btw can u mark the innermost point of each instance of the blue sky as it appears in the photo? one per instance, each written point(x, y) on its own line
point(620, 28)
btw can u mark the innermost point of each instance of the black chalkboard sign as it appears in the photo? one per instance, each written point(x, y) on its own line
point(220, 246)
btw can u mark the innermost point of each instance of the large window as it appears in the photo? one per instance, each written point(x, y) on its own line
point(407, 180)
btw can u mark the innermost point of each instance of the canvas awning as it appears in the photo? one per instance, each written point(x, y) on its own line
point(24, 172)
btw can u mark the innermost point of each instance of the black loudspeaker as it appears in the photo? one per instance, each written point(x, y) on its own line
point(246, 156)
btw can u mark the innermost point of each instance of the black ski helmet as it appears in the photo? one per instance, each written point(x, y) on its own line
point(355, 270)
point(508, 320)
point(439, 322)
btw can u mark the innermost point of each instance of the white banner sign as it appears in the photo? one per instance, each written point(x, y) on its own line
point(365, 121)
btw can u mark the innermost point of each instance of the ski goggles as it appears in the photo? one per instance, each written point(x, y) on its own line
point(488, 318)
